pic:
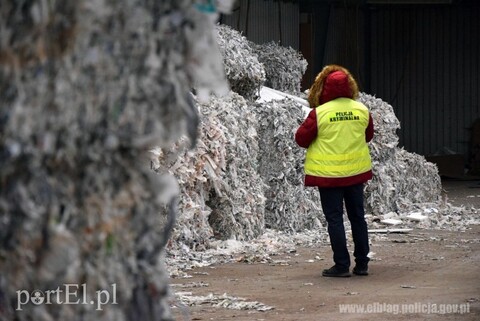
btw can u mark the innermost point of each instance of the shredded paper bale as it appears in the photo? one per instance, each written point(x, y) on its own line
point(245, 175)
point(244, 72)
point(290, 206)
point(405, 186)
point(400, 178)
point(284, 66)
point(87, 88)
point(222, 190)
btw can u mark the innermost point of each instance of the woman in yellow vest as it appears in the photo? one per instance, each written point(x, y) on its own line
point(336, 133)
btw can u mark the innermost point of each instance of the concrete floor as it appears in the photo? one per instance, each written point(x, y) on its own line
point(462, 192)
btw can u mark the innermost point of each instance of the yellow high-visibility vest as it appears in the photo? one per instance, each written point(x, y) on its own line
point(340, 149)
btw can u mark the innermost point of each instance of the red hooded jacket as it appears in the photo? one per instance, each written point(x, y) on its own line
point(335, 82)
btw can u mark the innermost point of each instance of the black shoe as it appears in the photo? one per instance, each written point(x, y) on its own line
point(360, 270)
point(334, 271)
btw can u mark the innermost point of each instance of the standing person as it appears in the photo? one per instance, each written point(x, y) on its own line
point(338, 162)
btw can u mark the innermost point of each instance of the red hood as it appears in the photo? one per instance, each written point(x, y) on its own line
point(336, 85)
point(332, 82)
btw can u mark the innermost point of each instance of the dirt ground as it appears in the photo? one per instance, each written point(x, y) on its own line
point(422, 275)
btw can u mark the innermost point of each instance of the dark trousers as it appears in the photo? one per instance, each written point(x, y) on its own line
point(332, 204)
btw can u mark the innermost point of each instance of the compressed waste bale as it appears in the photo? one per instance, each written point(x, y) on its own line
point(244, 72)
point(289, 206)
point(244, 197)
point(222, 191)
point(284, 66)
point(245, 175)
point(87, 88)
point(400, 178)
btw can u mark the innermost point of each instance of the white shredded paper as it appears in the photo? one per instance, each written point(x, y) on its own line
point(87, 88)
point(222, 301)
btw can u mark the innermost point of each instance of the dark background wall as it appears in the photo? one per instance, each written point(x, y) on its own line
point(422, 57)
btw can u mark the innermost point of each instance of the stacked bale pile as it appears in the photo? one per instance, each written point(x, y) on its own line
point(87, 88)
point(290, 206)
point(238, 212)
point(222, 192)
point(246, 156)
point(401, 179)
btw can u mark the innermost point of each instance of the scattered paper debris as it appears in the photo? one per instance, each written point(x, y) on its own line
point(391, 221)
point(189, 285)
point(416, 216)
point(222, 301)
point(390, 230)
